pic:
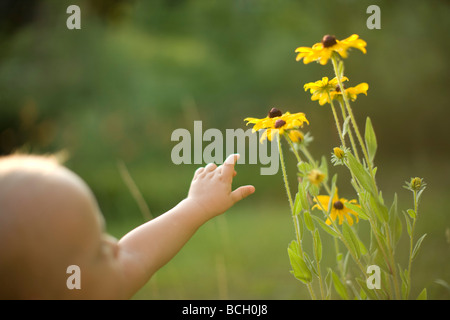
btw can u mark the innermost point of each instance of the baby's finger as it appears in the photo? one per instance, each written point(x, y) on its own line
point(198, 172)
point(210, 167)
point(242, 192)
point(228, 165)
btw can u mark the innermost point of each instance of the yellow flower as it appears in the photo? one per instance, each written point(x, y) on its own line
point(316, 177)
point(278, 123)
point(352, 92)
point(266, 122)
point(339, 153)
point(321, 88)
point(296, 135)
point(338, 208)
point(322, 51)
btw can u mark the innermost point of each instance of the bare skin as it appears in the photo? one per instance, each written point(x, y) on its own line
point(49, 219)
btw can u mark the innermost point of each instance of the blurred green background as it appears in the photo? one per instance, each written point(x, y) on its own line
point(137, 70)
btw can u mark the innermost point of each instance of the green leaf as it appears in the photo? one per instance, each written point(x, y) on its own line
point(339, 287)
point(405, 283)
point(293, 246)
point(371, 140)
point(300, 269)
point(411, 213)
point(345, 126)
point(308, 221)
point(443, 283)
point(304, 168)
point(351, 240)
point(313, 189)
point(301, 228)
point(324, 168)
point(302, 191)
point(345, 263)
point(317, 245)
point(340, 68)
point(358, 210)
point(360, 173)
point(417, 246)
point(328, 284)
point(332, 193)
point(362, 294)
point(379, 208)
point(310, 263)
point(362, 247)
point(363, 287)
point(378, 259)
point(333, 182)
point(394, 222)
point(297, 204)
point(325, 227)
point(374, 170)
point(408, 224)
point(422, 295)
point(393, 210)
point(420, 193)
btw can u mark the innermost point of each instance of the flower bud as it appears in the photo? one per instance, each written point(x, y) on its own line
point(339, 153)
point(416, 183)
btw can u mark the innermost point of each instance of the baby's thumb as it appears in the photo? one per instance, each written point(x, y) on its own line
point(242, 192)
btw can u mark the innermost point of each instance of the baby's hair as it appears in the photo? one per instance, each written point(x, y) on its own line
point(59, 157)
point(26, 161)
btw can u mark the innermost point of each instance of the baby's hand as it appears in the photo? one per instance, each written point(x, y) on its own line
point(211, 187)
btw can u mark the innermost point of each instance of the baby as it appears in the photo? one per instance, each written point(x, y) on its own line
point(49, 220)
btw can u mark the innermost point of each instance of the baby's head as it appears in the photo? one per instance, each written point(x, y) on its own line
point(49, 220)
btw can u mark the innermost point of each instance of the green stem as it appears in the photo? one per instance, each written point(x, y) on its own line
point(350, 134)
point(307, 154)
point(388, 259)
point(352, 117)
point(286, 183)
point(322, 291)
point(293, 148)
point(411, 242)
point(291, 204)
point(391, 256)
point(339, 262)
point(336, 119)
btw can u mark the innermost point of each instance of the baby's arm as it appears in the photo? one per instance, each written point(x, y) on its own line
point(147, 248)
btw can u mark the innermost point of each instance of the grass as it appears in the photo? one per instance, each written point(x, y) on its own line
point(243, 255)
point(239, 255)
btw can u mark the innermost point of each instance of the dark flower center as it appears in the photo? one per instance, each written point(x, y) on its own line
point(274, 112)
point(338, 89)
point(338, 205)
point(328, 41)
point(279, 123)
